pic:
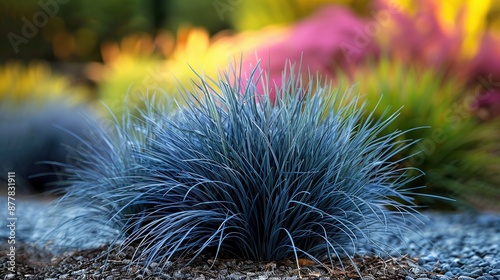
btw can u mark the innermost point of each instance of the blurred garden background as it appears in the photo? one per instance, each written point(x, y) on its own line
point(438, 62)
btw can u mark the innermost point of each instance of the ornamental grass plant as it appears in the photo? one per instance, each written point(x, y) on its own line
point(237, 174)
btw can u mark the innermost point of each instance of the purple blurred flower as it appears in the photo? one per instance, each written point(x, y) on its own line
point(334, 37)
point(421, 39)
point(484, 75)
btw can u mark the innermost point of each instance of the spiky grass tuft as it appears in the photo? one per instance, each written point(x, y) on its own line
point(232, 172)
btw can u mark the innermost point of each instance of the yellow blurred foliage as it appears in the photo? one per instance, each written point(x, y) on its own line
point(36, 84)
point(196, 50)
point(141, 64)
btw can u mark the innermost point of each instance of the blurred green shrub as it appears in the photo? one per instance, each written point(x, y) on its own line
point(94, 22)
point(203, 13)
point(256, 14)
point(46, 29)
point(459, 153)
point(74, 30)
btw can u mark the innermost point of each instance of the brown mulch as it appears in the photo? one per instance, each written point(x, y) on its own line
point(35, 263)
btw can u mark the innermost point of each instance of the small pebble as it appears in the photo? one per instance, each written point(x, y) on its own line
point(476, 273)
point(495, 265)
point(79, 272)
point(485, 277)
point(449, 274)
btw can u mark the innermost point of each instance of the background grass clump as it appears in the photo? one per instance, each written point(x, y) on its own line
point(457, 152)
point(233, 172)
point(37, 111)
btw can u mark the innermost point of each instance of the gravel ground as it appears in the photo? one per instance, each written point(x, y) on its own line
point(83, 265)
point(460, 246)
point(464, 246)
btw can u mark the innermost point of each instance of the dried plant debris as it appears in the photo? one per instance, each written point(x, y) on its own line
point(103, 263)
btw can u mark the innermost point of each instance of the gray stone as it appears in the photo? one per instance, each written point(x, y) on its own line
point(476, 273)
point(485, 277)
point(79, 272)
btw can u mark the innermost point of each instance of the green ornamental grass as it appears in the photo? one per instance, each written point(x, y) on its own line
point(458, 153)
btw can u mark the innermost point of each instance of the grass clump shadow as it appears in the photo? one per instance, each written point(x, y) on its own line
point(234, 172)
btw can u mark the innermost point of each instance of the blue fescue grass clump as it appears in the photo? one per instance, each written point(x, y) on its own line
point(32, 136)
point(237, 173)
